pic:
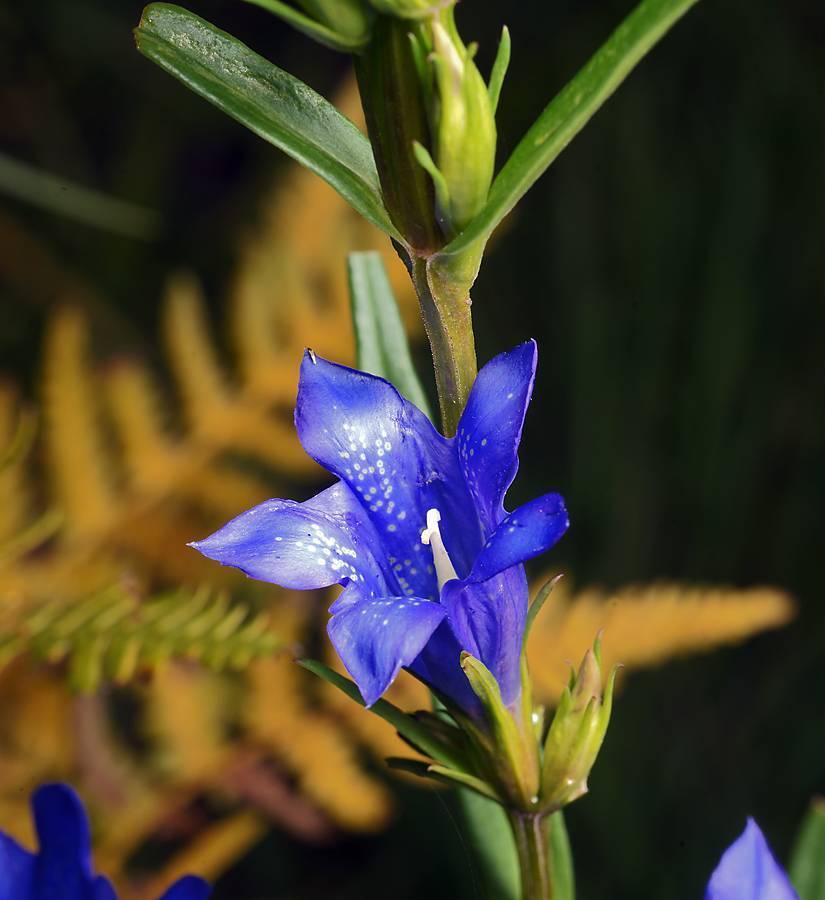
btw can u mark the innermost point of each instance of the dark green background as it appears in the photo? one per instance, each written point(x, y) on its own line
point(671, 266)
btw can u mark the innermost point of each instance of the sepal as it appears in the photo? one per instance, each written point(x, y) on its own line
point(512, 757)
point(576, 733)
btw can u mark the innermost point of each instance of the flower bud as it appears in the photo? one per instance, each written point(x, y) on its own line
point(576, 734)
point(464, 129)
point(407, 9)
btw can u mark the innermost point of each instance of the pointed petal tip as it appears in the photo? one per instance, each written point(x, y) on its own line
point(61, 822)
point(190, 887)
point(207, 547)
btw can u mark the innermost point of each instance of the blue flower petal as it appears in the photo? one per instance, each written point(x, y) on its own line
point(439, 666)
point(102, 889)
point(360, 428)
point(63, 867)
point(188, 888)
point(489, 432)
point(375, 637)
point(327, 540)
point(488, 621)
point(528, 531)
point(16, 869)
point(748, 871)
point(487, 610)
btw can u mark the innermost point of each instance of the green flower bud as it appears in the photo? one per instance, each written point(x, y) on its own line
point(576, 734)
point(408, 9)
point(463, 127)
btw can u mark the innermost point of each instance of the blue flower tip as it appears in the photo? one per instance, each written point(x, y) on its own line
point(190, 887)
point(528, 348)
point(55, 802)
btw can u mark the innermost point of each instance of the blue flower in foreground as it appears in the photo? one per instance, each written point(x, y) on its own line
point(63, 867)
point(748, 871)
point(415, 528)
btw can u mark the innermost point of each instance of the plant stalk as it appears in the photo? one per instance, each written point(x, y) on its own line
point(531, 833)
point(449, 326)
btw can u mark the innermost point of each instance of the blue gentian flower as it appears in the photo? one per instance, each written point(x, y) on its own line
point(415, 528)
point(748, 871)
point(63, 867)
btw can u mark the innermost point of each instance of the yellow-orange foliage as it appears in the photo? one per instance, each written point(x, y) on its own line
point(644, 626)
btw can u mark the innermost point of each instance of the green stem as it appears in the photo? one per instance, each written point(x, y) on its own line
point(449, 325)
point(530, 831)
point(396, 120)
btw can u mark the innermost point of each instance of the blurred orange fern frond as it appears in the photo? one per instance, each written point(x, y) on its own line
point(645, 625)
point(132, 460)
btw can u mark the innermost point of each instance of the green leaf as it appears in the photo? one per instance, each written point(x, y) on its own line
point(114, 635)
point(488, 830)
point(500, 67)
point(310, 27)
point(381, 341)
point(413, 731)
point(538, 603)
point(564, 885)
point(807, 868)
point(63, 197)
point(270, 102)
point(490, 834)
point(443, 775)
point(570, 111)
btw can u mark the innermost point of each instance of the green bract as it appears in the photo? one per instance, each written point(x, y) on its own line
point(576, 733)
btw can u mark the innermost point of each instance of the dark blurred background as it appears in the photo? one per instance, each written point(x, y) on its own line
point(670, 265)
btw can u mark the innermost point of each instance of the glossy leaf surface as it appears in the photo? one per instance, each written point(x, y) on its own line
point(270, 102)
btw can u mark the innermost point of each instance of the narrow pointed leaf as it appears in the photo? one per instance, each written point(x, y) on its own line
point(570, 111)
point(807, 868)
point(463, 779)
point(500, 67)
point(406, 725)
point(310, 27)
point(538, 603)
point(270, 102)
point(381, 341)
point(443, 775)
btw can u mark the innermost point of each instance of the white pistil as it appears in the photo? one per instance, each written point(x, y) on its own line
point(431, 537)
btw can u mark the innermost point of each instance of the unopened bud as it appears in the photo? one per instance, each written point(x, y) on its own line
point(464, 129)
point(576, 733)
